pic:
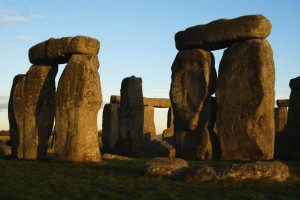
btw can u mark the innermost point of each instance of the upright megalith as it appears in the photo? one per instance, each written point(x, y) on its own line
point(77, 102)
point(38, 116)
point(15, 115)
point(280, 117)
point(245, 101)
point(293, 123)
point(110, 125)
point(169, 132)
point(223, 32)
point(193, 81)
point(131, 115)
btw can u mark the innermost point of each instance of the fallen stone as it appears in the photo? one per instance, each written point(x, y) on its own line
point(59, 51)
point(222, 33)
point(154, 148)
point(5, 151)
point(154, 102)
point(77, 102)
point(282, 102)
point(38, 116)
point(274, 170)
point(108, 156)
point(165, 166)
point(110, 126)
point(193, 81)
point(245, 101)
point(15, 116)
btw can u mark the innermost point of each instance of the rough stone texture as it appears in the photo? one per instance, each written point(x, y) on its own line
point(39, 92)
point(193, 81)
point(15, 115)
point(60, 50)
point(245, 101)
point(250, 171)
point(293, 123)
point(223, 32)
point(108, 156)
point(154, 102)
point(110, 126)
point(77, 102)
point(154, 148)
point(5, 151)
point(149, 131)
point(164, 166)
point(283, 102)
point(131, 115)
point(280, 116)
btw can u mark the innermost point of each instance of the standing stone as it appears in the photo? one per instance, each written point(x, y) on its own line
point(293, 123)
point(193, 80)
point(15, 116)
point(222, 33)
point(110, 126)
point(245, 101)
point(39, 91)
point(280, 116)
point(149, 131)
point(77, 102)
point(169, 132)
point(131, 115)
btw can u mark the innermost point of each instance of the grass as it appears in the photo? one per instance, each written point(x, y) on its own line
point(124, 180)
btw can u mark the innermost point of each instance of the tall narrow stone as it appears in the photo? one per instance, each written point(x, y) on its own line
point(169, 132)
point(39, 91)
point(149, 131)
point(110, 126)
point(245, 101)
point(77, 102)
point(280, 116)
point(15, 116)
point(131, 115)
point(193, 81)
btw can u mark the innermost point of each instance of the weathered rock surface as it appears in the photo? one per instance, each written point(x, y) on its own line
point(110, 125)
point(59, 51)
point(5, 151)
point(193, 81)
point(275, 170)
point(149, 131)
point(153, 102)
point(38, 117)
point(131, 115)
point(165, 166)
point(108, 156)
point(77, 102)
point(280, 116)
point(245, 101)
point(223, 32)
point(154, 148)
point(282, 102)
point(15, 115)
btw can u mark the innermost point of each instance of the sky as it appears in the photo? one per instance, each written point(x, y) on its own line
point(137, 38)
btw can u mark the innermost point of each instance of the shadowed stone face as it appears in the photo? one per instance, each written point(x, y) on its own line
point(193, 80)
point(223, 32)
point(131, 114)
point(15, 115)
point(245, 101)
point(77, 102)
point(110, 125)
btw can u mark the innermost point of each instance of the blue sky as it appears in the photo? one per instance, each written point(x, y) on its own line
point(137, 38)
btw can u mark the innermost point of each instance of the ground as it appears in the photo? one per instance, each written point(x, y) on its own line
point(125, 180)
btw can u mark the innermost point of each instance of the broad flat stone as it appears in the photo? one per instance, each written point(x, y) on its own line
point(59, 51)
point(222, 33)
point(77, 102)
point(154, 102)
point(245, 101)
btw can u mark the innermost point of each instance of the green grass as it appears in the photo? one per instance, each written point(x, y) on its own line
point(124, 180)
